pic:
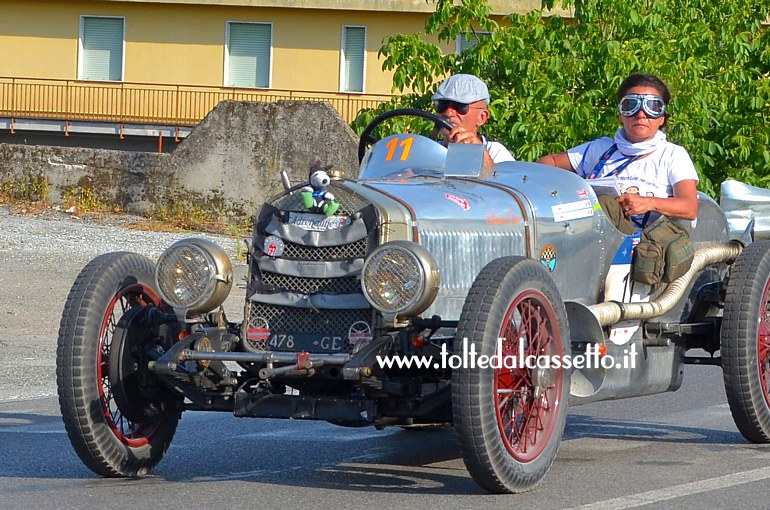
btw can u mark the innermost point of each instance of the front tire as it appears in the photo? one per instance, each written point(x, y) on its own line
point(106, 440)
point(745, 342)
point(510, 421)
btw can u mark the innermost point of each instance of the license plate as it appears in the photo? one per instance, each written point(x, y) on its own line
point(298, 342)
point(317, 222)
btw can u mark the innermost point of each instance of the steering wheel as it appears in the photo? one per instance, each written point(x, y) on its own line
point(367, 140)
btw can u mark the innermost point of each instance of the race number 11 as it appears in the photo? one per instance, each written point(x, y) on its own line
point(392, 145)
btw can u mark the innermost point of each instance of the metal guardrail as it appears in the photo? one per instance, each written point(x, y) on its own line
point(145, 103)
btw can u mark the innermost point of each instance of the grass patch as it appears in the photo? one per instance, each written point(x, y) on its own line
point(82, 201)
point(27, 188)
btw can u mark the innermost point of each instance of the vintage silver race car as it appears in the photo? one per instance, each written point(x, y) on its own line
point(429, 290)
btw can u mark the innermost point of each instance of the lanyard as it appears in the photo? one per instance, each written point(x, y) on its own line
point(598, 169)
point(603, 160)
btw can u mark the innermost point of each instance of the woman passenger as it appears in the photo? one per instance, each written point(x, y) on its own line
point(655, 177)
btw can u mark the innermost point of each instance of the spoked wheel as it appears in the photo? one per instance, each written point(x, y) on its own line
point(745, 342)
point(510, 416)
point(119, 419)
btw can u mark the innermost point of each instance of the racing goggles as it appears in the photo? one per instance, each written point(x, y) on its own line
point(654, 106)
point(461, 108)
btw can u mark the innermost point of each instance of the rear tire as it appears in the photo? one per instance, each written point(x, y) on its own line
point(745, 342)
point(510, 421)
point(107, 441)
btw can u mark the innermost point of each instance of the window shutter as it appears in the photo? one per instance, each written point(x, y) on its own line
point(463, 43)
point(354, 49)
point(102, 49)
point(249, 55)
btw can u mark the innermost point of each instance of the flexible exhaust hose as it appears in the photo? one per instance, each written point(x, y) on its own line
point(612, 312)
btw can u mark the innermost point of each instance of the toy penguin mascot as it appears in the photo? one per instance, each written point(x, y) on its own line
point(315, 197)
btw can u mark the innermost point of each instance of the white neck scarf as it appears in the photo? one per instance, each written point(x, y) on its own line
point(640, 148)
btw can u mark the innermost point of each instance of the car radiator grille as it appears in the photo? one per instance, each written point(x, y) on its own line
point(341, 252)
point(311, 324)
point(324, 322)
point(346, 285)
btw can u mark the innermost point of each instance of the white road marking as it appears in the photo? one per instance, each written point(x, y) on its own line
point(678, 491)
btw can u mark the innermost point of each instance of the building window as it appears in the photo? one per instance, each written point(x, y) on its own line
point(248, 51)
point(468, 40)
point(100, 55)
point(352, 61)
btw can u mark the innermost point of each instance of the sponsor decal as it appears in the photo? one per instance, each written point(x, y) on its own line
point(458, 200)
point(582, 193)
point(496, 219)
point(572, 210)
point(317, 222)
point(359, 332)
point(258, 334)
point(622, 332)
point(548, 257)
point(274, 246)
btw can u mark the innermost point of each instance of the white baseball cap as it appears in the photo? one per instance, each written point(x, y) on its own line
point(462, 88)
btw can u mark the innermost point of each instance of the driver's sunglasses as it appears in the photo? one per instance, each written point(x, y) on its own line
point(654, 106)
point(461, 108)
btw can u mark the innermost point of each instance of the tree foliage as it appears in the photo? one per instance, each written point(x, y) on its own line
point(553, 80)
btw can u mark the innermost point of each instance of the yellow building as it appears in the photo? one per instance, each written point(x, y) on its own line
point(170, 61)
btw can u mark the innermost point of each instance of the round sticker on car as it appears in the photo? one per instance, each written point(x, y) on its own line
point(359, 332)
point(274, 246)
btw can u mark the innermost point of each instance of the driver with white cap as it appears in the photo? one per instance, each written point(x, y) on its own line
point(462, 100)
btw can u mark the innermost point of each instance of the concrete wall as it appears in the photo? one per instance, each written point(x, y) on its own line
point(227, 167)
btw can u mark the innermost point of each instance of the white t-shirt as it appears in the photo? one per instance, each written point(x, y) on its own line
point(652, 176)
point(497, 151)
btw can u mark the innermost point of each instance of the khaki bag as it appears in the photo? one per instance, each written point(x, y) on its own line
point(664, 253)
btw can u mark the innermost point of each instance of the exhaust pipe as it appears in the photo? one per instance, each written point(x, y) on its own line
point(612, 312)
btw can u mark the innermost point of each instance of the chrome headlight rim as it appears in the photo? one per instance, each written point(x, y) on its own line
point(211, 272)
point(427, 284)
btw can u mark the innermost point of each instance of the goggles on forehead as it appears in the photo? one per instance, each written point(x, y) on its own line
point(654, 106)
point(461, 108)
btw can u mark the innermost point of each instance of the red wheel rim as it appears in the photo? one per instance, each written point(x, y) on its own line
point(132, 433)
point(527, 400)
point(763, 343)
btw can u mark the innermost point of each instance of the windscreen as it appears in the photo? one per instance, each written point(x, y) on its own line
point(403, 155)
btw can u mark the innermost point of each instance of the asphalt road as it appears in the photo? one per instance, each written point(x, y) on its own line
point(676, 450)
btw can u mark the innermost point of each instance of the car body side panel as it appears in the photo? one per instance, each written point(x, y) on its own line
point(467, 223)
point(569, 224)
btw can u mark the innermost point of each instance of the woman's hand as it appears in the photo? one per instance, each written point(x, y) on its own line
point(633, 204)
point(684, 203)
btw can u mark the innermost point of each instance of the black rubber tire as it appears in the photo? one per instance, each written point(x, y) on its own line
point(105, 441)
point(504, 288)
point(745, 342)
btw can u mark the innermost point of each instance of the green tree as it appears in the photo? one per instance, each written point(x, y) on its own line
point(553, 80)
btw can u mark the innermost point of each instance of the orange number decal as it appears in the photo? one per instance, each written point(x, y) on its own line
point(391, 149)
point(392, 145)
point(406, 143)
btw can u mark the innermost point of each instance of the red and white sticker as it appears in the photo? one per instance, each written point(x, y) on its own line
point(582, 193)
point(258, 334)
point(274, 246)
point(359, 332)
point(458, 200)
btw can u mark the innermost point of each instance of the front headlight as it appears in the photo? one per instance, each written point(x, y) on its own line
point(400, 277)
point(195, 274)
